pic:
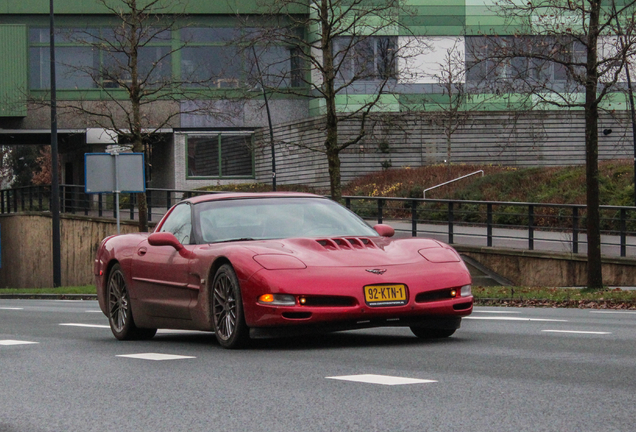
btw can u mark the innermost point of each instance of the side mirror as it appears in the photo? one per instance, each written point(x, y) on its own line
point(164, 239)
point(384, 230)
point(168, 239)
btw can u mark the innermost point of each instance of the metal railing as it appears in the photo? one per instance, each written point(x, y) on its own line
point(529, 226)
point(73, 200)
point(519, 225)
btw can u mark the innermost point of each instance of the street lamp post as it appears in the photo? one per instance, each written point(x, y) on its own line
point(55, 186)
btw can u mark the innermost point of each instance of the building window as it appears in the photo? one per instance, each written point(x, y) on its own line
point(215, 58)
point(371, 58)
point(494, 62)
point(85, 61)
point(222, 155)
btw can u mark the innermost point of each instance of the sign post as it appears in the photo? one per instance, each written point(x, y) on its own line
point(114, 173)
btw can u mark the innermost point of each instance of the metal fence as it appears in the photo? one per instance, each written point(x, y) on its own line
point(73, 200)
point(530, 226)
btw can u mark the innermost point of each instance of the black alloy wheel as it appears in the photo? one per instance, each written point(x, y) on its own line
point(227, 309)
point(119, 312)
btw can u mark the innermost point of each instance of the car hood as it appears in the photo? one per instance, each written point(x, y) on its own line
point(353, 251)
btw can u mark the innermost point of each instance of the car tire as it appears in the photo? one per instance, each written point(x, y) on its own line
point(227, 309)
point(120, 315)
point(431, 333)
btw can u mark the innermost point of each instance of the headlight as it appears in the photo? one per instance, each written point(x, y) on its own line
point(277, 300)
point(466, 291)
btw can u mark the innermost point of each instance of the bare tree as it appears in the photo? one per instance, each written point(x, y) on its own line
point(573, 61)
point(338, 50)
point(451, 107)
point(141, 96)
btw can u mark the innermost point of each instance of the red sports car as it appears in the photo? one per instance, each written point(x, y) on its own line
point(270, 264)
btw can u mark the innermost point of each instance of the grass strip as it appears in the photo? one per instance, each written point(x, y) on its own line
point(615, 298)
point(86, 289)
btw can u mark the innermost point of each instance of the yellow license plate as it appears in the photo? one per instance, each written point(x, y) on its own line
point(385, 295)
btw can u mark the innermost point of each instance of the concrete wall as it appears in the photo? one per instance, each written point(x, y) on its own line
point(27, 249)
point(532, 268)
point(27, 256)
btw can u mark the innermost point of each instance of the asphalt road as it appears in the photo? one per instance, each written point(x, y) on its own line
point(506, 369)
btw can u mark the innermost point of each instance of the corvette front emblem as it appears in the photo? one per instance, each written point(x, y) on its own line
point(377, 271)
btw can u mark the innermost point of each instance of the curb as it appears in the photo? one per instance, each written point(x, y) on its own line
point(563, 304)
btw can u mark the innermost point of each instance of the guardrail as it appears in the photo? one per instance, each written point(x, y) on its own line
point(530, 226)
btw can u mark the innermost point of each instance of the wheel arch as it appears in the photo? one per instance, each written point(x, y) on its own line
point(103, 286)
point(216, 265)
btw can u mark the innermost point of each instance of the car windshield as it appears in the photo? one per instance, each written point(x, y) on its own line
point(274, 218)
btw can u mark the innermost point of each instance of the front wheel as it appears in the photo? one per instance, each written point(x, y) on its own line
point(431, 333)
point(227, 309)
point(119, 313)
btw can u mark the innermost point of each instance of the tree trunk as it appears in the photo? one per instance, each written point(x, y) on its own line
point(142, 204)
point(328, 76)
point(334, 175)
point(594, 268)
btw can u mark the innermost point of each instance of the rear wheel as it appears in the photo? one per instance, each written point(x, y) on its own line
point(431, 333)
point(119, 313)
point(227, 309)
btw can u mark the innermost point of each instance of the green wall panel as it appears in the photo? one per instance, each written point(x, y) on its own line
point(13, 70)
point(78, 7)
point(417, 3)
point(439, 20)
point(457, 30)
point(427, 11)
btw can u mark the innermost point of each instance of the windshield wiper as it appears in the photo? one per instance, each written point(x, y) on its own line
point(235, 240)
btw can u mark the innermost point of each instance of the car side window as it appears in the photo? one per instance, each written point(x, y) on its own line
point(179, 223)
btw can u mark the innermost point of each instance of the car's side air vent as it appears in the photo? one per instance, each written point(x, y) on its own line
point(346, 243)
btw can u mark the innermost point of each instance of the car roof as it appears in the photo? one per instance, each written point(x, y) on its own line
point(249, 195)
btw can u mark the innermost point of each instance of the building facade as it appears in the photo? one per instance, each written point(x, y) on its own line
point(210, 131)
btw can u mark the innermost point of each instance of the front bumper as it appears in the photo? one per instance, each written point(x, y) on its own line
point(433, 322)
point(362, 315)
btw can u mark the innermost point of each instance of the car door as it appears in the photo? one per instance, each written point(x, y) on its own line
point(164, 286)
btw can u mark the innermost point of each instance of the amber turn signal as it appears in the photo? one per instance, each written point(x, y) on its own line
point(303, 300)
point(266, 298)
point(453, 293)
point(277, 299)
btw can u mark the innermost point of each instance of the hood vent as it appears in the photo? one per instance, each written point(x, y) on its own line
point(346, 243)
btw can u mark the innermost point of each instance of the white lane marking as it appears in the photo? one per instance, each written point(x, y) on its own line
point(11, 308)
point(155, 356)
point(495, 312)
point(577, 332)
point(93, 311)
point(380, 379)
point(615, 312)
point(514, 319)
point(15, 342)
point(85, 325)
